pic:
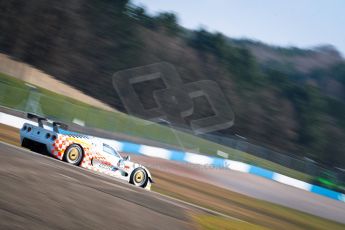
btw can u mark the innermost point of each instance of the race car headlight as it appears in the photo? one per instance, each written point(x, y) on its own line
point(48, 135)
point(53, 137)
point(29, 129)
point(24, 127)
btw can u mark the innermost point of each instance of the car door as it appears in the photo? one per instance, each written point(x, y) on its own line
point(111, 154)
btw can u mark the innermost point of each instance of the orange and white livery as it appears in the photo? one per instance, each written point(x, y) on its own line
point(97, 154)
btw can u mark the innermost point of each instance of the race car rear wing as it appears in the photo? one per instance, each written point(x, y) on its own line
point(39, 119)
point(56, 125)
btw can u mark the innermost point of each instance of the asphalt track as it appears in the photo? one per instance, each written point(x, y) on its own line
point(252, 186)
point(246, 184)
point(43, 193)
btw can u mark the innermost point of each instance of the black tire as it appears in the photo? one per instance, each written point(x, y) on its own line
point(73, 154)
point(139, 177)
point(25, 144)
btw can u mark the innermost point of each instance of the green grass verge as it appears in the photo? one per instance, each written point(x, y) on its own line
point(208, 222)
point(17, 94)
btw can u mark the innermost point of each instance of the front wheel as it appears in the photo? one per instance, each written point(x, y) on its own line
point(139, 177)
point(73, 154)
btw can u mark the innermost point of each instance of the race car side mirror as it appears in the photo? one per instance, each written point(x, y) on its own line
point(127, 158)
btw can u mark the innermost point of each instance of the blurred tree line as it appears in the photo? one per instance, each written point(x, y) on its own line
point(84, 42)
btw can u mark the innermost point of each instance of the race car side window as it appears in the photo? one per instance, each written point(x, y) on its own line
point(110, 150)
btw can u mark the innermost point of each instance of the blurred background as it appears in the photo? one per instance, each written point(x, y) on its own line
point(288, 96)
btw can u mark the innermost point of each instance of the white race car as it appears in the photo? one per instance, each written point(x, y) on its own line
point(86, 151)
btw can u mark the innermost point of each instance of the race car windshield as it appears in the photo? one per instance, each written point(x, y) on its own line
point(111, 151)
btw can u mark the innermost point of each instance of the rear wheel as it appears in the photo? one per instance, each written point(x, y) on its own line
point(139, 177)
point(73, 154)
point(25, 144)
